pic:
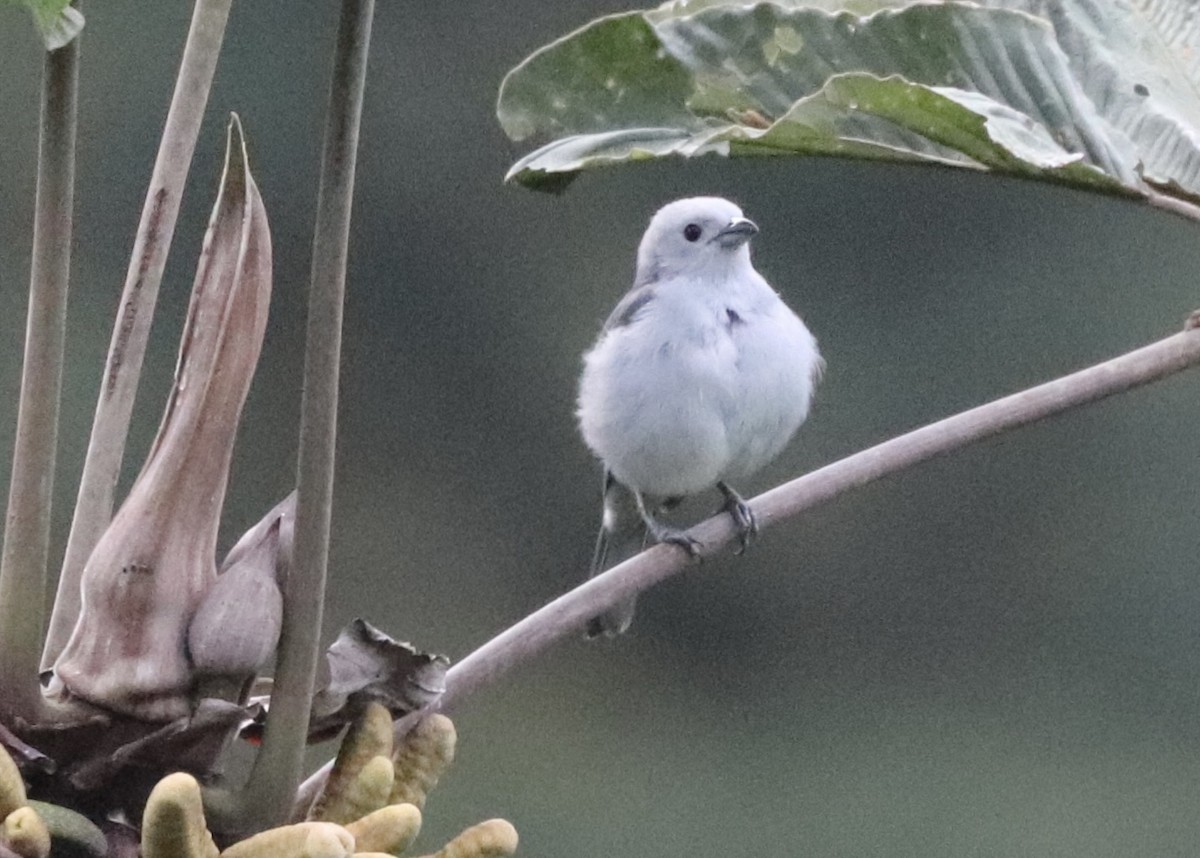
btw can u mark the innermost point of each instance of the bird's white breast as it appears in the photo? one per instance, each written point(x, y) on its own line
point(704, 383)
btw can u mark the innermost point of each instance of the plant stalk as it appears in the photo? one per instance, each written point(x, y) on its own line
point(118, 388)
point(23, 562)
point(270, 789)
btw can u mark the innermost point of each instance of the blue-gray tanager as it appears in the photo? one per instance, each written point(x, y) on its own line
point(700, 377)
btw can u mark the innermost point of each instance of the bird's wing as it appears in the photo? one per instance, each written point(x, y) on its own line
point(635, 301)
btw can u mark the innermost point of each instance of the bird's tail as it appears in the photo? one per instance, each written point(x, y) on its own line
point(622, 535)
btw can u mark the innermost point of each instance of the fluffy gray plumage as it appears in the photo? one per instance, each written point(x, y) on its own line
point(700, 376)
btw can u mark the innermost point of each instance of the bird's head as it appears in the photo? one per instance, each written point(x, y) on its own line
point(700, 236)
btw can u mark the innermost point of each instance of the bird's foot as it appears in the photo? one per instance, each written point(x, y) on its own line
point(743, 517)
point(663, 533)
point(674, 536)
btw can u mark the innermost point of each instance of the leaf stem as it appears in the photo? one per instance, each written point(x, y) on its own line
point(1175, 205)
point(27, 526)
point(271, 787)
point(106, 449)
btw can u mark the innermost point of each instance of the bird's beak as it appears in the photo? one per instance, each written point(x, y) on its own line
point(738, 232)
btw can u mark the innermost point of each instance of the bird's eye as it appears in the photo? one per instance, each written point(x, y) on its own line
point(692, 232)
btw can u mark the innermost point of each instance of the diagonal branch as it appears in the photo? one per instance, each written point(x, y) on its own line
point(568, 615)
point(106, 449)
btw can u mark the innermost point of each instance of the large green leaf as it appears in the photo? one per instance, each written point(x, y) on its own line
point(1137, 61)
point(1097, 93)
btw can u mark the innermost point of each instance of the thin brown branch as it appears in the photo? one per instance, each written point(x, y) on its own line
point(27, 525)
point(118, 388)
point(568, 615)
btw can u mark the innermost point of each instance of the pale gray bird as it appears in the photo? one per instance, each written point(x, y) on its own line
point(700, 377)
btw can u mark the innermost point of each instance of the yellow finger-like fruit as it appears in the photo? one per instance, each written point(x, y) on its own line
point(26, 834)
point(368, 737)
point(365, 794)
point(173, 824)
point(12, 788)
point(390, 829)
point(302, 840)
point(422, 758)
point(495, 838)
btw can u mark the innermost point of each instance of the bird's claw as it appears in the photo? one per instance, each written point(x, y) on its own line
point(663, 533)
point(671, 536)
point(743, 517)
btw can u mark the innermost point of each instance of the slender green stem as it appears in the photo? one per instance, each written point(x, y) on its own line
point(267, 797)
point(27, 526)
point(106, 449)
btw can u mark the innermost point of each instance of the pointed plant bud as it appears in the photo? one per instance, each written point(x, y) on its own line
point(234, 631)
point(283, 514)
point(155, 561)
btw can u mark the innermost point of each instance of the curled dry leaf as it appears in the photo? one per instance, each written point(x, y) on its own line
point(153, 564)
point(365, 665)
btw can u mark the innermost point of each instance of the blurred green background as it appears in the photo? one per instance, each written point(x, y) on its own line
point(993, 654)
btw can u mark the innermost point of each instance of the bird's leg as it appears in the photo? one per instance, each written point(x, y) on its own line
point(663, 533)
point(742, 515)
